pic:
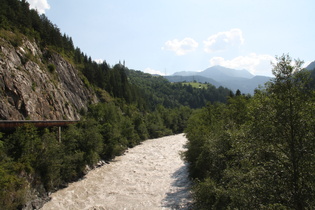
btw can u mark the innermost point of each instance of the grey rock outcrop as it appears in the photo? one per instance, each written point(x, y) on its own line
point(32, 87)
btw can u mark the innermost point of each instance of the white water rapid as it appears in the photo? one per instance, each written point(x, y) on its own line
point(149, 176)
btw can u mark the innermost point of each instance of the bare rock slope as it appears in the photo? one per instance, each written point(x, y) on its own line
point(35, 88)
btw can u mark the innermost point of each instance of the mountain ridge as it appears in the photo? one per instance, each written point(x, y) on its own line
point(220, 73)
point(218, 76)
point(311, 66)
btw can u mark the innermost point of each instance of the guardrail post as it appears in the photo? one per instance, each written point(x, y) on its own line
point(59, 134)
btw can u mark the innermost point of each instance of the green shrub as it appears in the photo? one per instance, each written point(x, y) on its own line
point(51, 68)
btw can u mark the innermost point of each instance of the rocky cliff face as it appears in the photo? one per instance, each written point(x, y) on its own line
point(35, 88)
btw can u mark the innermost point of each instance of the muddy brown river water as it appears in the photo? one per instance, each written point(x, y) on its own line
point(149, 176)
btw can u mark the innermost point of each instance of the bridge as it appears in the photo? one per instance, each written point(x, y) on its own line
point(11, 124)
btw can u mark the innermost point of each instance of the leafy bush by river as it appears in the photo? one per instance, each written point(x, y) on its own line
point(258, 152)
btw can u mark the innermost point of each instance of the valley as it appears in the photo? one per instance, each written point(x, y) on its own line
point(247, 147)
point(149, 176)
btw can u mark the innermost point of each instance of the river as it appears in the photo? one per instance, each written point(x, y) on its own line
point(151, 175)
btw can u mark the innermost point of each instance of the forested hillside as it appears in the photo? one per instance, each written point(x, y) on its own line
point(133, 107)
point(257, 153)
point(157, 90)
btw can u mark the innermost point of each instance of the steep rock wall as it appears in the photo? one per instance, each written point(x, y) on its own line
point(39, 89)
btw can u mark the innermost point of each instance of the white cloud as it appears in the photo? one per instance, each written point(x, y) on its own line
point(152, 71)
point(222, 41)
point(255, 64)
point(99, 61)
point(39, 5)
point(181, 47)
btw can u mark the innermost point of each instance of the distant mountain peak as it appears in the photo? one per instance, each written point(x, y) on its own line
point(185, 73)
point(223, 76)
point(311, 66)
point(219, 73)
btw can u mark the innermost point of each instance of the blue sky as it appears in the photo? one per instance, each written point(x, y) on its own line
point(167, 36)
